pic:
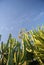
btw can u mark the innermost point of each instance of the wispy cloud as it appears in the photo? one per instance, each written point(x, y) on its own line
point(38, 16)
point(4, 28)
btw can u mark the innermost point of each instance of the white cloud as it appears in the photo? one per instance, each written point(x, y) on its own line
point(11, 28)
point(5, 28)
point(1, 28)
point(38, 16)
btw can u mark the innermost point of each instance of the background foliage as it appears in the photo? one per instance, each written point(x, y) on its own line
point(30, 50)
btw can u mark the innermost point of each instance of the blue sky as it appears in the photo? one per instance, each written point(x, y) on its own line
point(18, 14)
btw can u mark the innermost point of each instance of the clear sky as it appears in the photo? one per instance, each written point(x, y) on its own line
point(18, 14)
